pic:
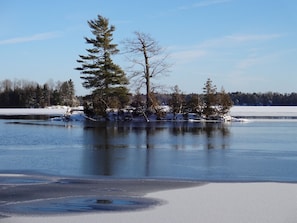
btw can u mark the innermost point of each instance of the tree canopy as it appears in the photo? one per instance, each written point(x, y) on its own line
point(215, 103)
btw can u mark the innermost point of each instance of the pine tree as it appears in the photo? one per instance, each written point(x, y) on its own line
point(177, 100)
point(99, 73)
point(224, 102)
point(210, 99)
point(67, 93)
point(194, 103)
point(215, 104)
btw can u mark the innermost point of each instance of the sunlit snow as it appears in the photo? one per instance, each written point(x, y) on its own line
point(264, 111)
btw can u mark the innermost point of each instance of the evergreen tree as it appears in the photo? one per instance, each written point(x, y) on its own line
point(177, 100)
point(38, 96)
point(224, 103)
point(215, 104)
point(194, 103)
point(46, 95)
point(67, 93)
point(210, 99)
point(99, 73)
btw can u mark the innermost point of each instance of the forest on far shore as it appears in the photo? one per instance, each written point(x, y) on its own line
point(264, 99)
point(28, 94)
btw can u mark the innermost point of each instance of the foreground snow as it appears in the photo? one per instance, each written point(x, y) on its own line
point(211, 203)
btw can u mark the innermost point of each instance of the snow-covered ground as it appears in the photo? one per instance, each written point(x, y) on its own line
point(210, 203)
point(264, 111)
point(54, 110)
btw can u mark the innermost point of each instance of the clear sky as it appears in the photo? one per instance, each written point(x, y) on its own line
point(242, 45)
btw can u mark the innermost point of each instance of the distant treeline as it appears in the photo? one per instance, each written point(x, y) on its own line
point(28, 94)
point(264, 99)
point(245, 99)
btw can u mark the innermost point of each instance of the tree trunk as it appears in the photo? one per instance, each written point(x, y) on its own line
point(147, 78)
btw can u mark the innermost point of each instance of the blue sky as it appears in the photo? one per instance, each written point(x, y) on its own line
point(242, 45)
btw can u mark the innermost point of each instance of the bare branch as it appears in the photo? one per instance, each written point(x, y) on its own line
point(148, 61)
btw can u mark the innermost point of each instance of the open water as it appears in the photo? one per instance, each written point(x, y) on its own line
point(259, 150)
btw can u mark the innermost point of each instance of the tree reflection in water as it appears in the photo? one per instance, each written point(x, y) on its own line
point(147, 149)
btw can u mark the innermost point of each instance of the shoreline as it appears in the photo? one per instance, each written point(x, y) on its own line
point(172, 200)
point(250, 112)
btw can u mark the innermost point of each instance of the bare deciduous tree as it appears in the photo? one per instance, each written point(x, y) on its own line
point(148, 61)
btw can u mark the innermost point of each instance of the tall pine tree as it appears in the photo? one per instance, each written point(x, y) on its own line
point(215, 104)
point(99, 73)
point(210, 99)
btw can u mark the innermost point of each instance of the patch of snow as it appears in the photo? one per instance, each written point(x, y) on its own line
point(52, 110)
point(264, 111)
point(33, 111)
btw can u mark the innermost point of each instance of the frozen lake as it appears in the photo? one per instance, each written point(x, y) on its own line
point(264, 111)
point(259, 150)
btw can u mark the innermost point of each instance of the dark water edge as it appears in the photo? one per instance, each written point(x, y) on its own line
point(39, 195)
point(27, 117)
point(59, 195)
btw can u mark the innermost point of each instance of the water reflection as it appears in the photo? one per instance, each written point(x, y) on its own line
point(147, 149)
